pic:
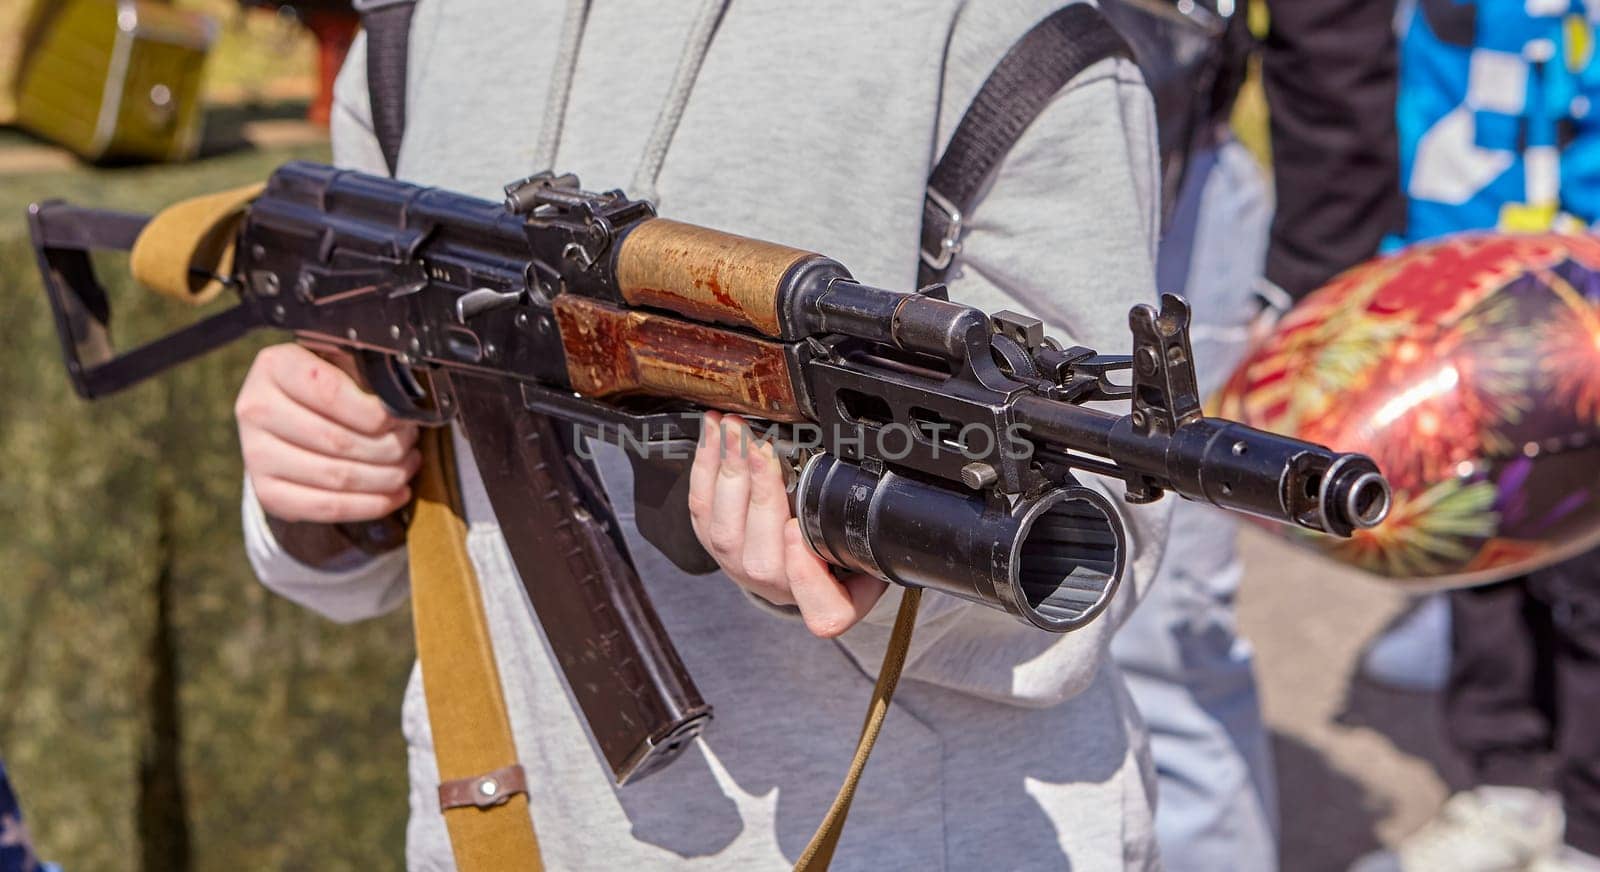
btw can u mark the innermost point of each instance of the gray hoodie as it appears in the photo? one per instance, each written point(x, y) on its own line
point(813, 124)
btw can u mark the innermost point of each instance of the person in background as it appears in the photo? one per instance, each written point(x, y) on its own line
point(1328, 71)
point(334, 24)
point(16, 847)
point(1499, 132)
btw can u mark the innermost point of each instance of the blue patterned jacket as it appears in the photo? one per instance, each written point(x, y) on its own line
point(1498, 112)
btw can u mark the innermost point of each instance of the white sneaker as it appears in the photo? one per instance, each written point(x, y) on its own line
point(1489, 829)
point(1566, 859)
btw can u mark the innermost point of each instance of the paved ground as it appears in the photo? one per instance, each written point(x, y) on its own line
point(1357, 766)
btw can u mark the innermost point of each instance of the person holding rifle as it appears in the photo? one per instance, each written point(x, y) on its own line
point(815, 125)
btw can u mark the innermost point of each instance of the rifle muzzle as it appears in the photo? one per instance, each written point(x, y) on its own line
point(1053, 560)
point(1249, 470)
point(1221, 462)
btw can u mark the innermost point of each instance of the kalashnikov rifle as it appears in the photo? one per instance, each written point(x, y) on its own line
point(932, 445)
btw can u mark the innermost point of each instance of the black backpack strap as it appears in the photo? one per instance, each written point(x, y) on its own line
point(388, 26)
point(1035, 69)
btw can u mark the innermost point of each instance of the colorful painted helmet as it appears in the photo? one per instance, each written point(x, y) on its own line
point(1469, 369)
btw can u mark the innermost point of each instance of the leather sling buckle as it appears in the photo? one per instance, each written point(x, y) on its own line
point(484, 791)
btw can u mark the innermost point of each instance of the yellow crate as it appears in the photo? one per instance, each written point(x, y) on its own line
point(117, 79)
point(19, 21)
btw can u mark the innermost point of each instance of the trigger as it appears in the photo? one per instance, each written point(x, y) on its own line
point(401, 392)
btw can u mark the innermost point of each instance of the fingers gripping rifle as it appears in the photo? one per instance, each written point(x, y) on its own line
point(932, 445)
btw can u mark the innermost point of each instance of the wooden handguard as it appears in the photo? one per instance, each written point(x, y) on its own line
point(615, 352)
point(708, 275)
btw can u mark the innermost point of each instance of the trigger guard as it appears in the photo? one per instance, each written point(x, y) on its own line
point(401, 393)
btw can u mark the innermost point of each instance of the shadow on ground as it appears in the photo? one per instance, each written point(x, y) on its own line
point(226, 125)
point(1328, 817)
point(1413, 722)
point(228, 130)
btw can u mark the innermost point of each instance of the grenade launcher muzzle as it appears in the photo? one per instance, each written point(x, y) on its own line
point(1053, 560)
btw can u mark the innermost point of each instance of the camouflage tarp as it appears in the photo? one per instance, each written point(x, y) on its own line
point(158, 707)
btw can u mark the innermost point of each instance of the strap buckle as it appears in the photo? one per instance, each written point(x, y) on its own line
point(484, 791)
point(950, 242)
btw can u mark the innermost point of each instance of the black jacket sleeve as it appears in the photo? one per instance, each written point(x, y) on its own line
point(1329, 68)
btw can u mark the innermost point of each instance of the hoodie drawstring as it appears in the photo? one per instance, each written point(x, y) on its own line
point(697, 44)
point(643, 185)
point(555, 103)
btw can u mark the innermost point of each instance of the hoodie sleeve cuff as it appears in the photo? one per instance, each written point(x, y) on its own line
point(359, 587)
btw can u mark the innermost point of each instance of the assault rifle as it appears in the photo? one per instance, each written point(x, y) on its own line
point(932, 445)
